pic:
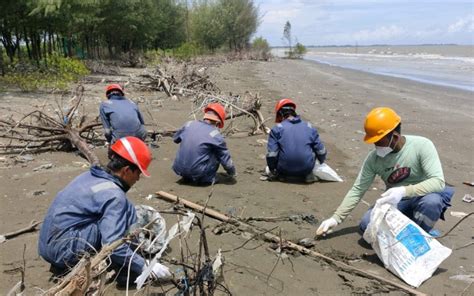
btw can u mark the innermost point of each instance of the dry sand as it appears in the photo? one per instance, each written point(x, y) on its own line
point(335, 100)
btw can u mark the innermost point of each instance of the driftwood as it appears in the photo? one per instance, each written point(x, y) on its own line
point(277, 239)
point(38, 131)
point(9, 235)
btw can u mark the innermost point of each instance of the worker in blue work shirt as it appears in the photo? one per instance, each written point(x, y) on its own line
point(93, 211)
point(293, 146)
point(120, 116)
point(202, 148)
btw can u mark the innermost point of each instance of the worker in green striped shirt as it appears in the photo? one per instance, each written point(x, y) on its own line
point(410, 168)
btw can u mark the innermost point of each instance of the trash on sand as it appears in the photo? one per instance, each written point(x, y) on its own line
point(24, 158)
point(182, 227)
point(458, 214)
point(468, 198)
point(39, 192)
point(145, 215)
point(404, 248)
point(325, 173)
point(469, 183)
point(468, 278)
point(149, 197)
point(307, 242)
point(43, 167)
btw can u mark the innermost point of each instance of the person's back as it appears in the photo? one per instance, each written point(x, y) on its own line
point(120, 116)
point(293, 145)
point(200, 150)
point(295, 139)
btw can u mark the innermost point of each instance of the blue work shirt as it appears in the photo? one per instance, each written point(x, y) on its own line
point(293, 146)
point(120, 118)
point(90, 212)
point(201, 149)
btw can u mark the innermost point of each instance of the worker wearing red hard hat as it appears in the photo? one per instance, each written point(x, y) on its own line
point(293, 145)
point(202, 148)
point(93, 211)
point(120, 116)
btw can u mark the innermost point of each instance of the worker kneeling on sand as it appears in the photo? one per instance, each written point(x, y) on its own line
point(202, 148)
point(120, 116)
point(93, 211)
point(293, 145)
point(410, 168)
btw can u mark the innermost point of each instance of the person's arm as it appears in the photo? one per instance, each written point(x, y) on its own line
point(139, 114)
point(273, 149)
point(113, 226)
point(431, 165)
point(361, 185)
point(318, 146)
point(177, 136)
point(105, 122)
point(222, 153)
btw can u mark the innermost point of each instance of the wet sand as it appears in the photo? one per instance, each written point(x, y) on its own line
point(335, 100)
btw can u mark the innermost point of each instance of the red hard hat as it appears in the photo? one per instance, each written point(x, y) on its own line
point(219, 110)
point(112, 87)
point(280, 104)
point(134, 150)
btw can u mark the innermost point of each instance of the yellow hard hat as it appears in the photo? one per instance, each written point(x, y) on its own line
point(379, 122)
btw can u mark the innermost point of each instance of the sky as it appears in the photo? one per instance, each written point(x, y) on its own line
point(359, 22)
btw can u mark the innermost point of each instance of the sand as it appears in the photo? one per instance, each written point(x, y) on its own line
point(335, 100)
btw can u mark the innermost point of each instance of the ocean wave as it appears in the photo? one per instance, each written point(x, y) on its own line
point(391, 55)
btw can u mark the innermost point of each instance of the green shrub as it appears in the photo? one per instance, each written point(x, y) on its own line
point(260, 49)
point(54, 73)
point(299, 51)
point(155, 56)
point(187, 51)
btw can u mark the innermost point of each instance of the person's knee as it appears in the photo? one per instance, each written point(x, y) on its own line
point(430, 202)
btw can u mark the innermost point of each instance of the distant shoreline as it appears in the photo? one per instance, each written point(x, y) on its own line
point(379, 45)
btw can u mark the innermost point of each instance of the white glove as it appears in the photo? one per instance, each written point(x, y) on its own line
point(160, 271)
point(392, 196)
point(326, 226)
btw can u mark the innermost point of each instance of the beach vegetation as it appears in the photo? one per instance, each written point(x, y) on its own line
point(299, 51)
point(261, 49)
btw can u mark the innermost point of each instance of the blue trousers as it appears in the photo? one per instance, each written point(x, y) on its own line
point(423, 210)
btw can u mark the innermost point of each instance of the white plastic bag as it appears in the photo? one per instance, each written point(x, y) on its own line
point(179, 228)
point(404, 248)
point(325, 173)
point(153, 240)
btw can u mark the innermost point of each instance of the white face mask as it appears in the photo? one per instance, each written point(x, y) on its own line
point(384, 151)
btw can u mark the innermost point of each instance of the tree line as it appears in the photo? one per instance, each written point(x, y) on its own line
point(38, 29)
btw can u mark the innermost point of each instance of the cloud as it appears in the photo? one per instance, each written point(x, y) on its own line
point(382, 33)
point(465, 24)
point(280, 16)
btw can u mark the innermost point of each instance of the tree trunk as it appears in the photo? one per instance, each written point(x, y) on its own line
point(2, 67)
point(27, 42)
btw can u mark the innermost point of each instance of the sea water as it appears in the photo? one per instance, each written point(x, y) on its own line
point(446, 65)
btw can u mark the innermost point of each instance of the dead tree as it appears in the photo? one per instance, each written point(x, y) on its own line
point(38, 131)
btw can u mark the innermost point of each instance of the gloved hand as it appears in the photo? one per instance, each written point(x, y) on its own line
point(326, 227)
point(160, 271)
point(392, 196)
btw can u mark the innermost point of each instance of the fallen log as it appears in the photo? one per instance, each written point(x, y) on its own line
point(274, 238)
